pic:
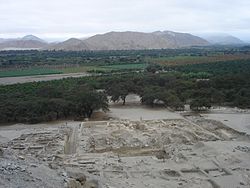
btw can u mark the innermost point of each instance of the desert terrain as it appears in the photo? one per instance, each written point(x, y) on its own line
point(130, 146)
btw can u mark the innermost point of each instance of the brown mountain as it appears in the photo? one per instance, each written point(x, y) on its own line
point(72, 44)
point(131, 41)
point(127, 41)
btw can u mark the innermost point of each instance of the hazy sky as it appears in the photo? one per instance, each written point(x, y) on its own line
point(80, 18)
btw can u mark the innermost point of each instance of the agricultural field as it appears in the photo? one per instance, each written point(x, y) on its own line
point(28, 72)
point(184, 59)
point(79, 69)
point(193, 60)
point(125, 66)
point(72, 69)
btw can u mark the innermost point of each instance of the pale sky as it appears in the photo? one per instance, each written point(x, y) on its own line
point(81, 18)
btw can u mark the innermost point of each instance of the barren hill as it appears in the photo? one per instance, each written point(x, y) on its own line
point(182, 39)
point(223, 39)
point(72, 44)
point(131, 41)
point(127, 41)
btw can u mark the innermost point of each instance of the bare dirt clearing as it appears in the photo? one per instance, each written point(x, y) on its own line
point(240, 122)
point(141, 113)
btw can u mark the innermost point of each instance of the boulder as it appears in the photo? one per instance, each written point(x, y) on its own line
point(91, 184)
point(72, 183)
point(76, 174)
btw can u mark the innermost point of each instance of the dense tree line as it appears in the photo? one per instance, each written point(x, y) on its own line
point(79, 97)
point(174, 90)
point(37, 102)
point(211, 69)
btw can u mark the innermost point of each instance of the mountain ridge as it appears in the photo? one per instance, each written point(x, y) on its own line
point(123, 40)
point(131, 40)
point(222, 39)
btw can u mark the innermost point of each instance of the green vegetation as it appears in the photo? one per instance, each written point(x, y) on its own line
point(78, 97)
point(227, 67)
point(47, 101)
point(75, 69)
point(25, 63)
point(72, 69)
point(201, 85)
point(28, 72)
point(133, 66)
point(192, 60)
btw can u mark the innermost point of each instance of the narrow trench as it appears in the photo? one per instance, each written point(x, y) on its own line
point(71, 141)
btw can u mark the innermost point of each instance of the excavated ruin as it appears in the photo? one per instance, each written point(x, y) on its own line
point(123, 153)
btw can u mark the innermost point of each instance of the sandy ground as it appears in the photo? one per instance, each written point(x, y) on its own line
point(138, 147)
point(133, 110)
point(240, 122)
point(141, 113)
point(24, 79)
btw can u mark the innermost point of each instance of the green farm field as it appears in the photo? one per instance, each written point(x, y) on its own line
point(187, 60)
point(28, 72)
point(126, 66)
point(73, 69)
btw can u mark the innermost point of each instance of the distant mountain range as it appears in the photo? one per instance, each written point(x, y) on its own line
point(132, 41)
point(27, 42)
point(32, 37)
point(222, 39)
point(120, 41)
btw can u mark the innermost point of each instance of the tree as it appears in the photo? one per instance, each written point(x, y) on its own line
point(218, 97)
point(153, 68)
point(173, 101)
point(86, 102)
point(152, 94)
point(200, 104)
point(119, 89)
